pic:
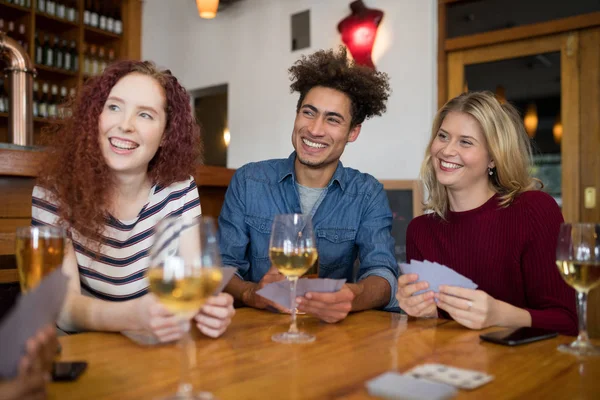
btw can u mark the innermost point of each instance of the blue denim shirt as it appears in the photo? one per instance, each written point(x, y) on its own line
point(353, 220)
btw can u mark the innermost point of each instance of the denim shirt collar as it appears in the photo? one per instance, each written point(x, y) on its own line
point(287, 169)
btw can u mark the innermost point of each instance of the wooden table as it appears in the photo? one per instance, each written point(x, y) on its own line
point(246, 364)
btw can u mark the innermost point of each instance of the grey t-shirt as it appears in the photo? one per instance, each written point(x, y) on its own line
point(308, 197)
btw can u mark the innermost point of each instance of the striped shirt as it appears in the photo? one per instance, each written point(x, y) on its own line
point(116, 273)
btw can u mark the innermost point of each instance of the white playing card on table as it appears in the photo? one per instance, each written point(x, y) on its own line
point(457, 377)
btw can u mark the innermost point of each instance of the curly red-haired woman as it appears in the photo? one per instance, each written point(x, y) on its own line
point(120, 163)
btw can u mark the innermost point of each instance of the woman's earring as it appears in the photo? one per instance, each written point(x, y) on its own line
point(490, 171)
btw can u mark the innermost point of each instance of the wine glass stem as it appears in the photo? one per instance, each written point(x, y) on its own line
point(582, 312)
point(185, 387)
point(293, 282)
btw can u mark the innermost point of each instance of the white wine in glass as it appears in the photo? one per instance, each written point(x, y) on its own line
point(578, 261)
point(185, 270)
point(39, 251)
point(293, 251)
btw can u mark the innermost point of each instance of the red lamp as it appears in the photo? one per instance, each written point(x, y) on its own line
point(359, 30)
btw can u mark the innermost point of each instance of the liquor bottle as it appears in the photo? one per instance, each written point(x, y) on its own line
point(3, 98)
point(118, 22)
point(36, 99)
point(11, 29)
point(39, 50)
point(93, 61)
point(58, 54)
point(41, 6)
point(86, 60)
point(102, 16)
point(110, 21)
point(22, 37)
point(74, 57)
point(71, 10)
point(68, 59)
point(61, 111)
point(86, 13)
point(48, 51)
point(101, 60)
point(111, 56)
point(50, 7)
point(94, 14)
point(2, 25)
point(43, 106)
point(53, 102)
point(61, 9)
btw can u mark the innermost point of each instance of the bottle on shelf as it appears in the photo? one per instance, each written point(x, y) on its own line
point(71, 10)
point(86, 13)
point(102, 15)
point(67, 58)
point(41, 6)
point(3, 98)
point(51, 7)
point(53, 102)
point(74, 57)
point(10, 31)
point(94, 17)
point(111, 57)
point(39, 49)
point(2, 28)
point(110, 21)
point(118, 21)
point(43, 106)
point(101, 60)
point(36, 99)
point(87, 70)
point(22, 37)
point(93, 61)
point(61, 9)
point(48, 52)
point(58, 53)
point(63, 98)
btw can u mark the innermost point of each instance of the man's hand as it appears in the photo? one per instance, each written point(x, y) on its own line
point(328, 307)
point(254, 300)
point(215, 315)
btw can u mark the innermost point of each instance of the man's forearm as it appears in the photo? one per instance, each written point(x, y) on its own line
point(371, 292)
point(83, 313)
point(240, 289)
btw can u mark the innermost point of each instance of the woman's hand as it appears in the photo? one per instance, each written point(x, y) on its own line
point(422, 305)
point(153, 317)
point(215, 316)
point(474, 309)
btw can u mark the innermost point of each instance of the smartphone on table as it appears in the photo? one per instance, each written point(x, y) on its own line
point(67, 371)
point(515, 337)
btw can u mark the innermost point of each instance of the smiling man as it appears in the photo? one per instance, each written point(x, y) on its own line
point(349, 209)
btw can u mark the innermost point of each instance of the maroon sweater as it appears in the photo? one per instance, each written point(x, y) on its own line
point(509, 252)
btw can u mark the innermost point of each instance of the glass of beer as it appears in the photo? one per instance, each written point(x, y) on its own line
point(292, 251)
point(185, 270)
point(39, 251)
point(578, 260)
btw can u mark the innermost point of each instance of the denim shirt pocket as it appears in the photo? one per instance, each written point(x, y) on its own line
point(336, 246)
point(260, 234)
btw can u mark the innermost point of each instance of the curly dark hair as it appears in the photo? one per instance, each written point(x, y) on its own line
point(367, 88)
point(75, 171)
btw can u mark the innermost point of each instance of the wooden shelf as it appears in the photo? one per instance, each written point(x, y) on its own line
point(9, 9)
point(99, 36)
point(45, 22)
point(3, 115)
point(56, 71)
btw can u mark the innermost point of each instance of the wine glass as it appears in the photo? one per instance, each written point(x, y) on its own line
point(292, 251)
point(39, 251)
point(185, 270)
point(578, 260)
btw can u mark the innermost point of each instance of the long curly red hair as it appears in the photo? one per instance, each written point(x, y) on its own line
point(75, 171)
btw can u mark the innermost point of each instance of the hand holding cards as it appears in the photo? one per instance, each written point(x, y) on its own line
point(279, 292)
point(436, 274)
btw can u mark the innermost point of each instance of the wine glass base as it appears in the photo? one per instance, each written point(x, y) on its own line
point(300, 337)
point(580, 349)
point(190, 396)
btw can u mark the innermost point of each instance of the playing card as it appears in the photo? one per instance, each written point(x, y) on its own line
point(436, 274)
point(34, 310)
point(458, 377)
point(392, 385)
point(279, 292)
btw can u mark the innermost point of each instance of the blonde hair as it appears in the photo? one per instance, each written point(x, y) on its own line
point(507, 144)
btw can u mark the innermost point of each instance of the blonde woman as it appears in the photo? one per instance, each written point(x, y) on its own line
point(489, 222)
